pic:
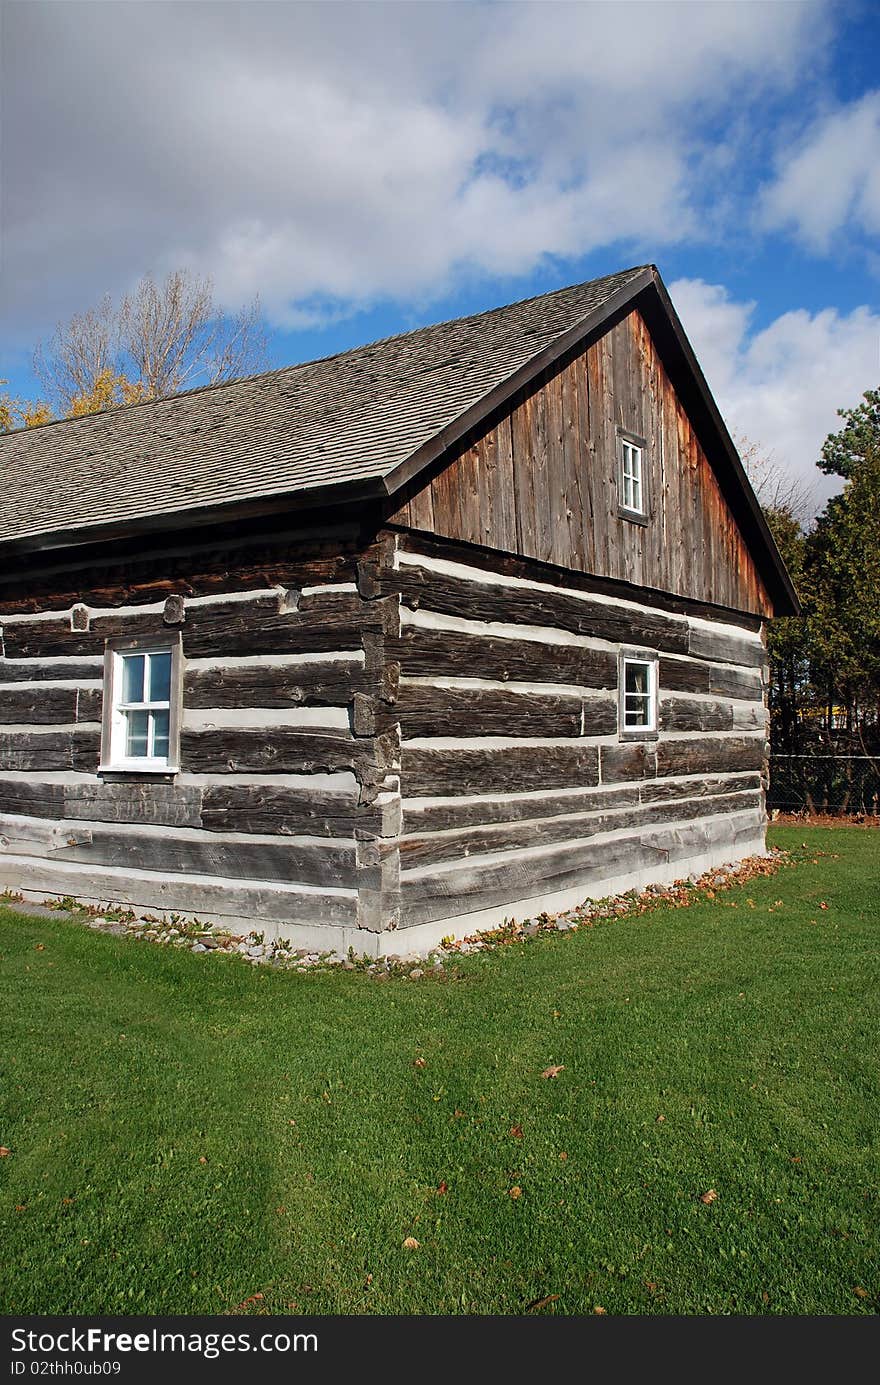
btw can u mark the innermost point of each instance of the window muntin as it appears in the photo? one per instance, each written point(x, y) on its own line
point(631, 479)
point(140, 723)
point(638, 701)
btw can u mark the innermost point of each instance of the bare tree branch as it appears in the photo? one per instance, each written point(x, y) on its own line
point(162, 338)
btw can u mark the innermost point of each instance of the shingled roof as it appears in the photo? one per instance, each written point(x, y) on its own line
point(345, 422)
point(350, 427)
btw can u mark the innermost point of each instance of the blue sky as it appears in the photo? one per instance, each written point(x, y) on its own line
point(368, 168)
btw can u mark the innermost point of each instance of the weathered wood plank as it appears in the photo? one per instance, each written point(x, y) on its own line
point(179, 853)
point(440, 711)
point(725, 648)
point(450, 653)
point(324, 622)
point(436, 892)
point(281, 751)
point(243, 904)
point(520, 604)
point(275, 685)
point(50, 750)
point(635, 760)
point(687, 714)
point(469, 842)
point(507, 770)
point(66, 670)
point(710, 755)
point(282, 811)
point(38, 707)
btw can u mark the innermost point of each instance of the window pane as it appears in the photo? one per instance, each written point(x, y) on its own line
point(136, 728)
point(160, 677)
point(132, 678)
point(636, 711)
point(160, 735)
point(636, 678)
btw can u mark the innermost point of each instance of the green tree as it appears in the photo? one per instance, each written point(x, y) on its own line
point(843, 451)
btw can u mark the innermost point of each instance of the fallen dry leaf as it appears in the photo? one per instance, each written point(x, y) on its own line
point(515, 1192)
point(410, 1243)
point(563, 1156)
point(420, 1063)
point(443, 1187)
point(660, 1119)
point(600, 1311)
point(4, 1152)
point(202, 1159)
point(823, 905)
point(541, 1303)
point(516, 1131)
point(458, 1114)
point(860, 1292)
point(554, 1070)
point(40, 947)
point(708, 1197)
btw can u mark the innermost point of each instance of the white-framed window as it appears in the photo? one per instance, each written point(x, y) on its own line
point(141, 697)
point(633, 490)
point(638, 695)
point(631, 483)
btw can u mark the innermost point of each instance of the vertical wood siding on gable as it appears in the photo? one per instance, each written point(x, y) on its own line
point(542, 482)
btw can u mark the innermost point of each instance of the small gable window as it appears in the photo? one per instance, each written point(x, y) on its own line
point(637, 696)
point(632, 478)
point(141, 695)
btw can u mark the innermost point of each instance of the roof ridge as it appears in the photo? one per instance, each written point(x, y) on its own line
point(621, 274)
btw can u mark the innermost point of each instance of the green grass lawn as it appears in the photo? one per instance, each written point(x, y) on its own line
point(187, 1131)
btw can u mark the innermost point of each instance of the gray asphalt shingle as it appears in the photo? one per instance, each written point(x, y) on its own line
point(350, 417)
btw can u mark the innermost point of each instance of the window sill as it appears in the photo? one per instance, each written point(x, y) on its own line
point(138, 771)
point(634, 516)
point(639, 735)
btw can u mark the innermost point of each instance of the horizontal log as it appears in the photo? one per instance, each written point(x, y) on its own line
point(431, 848)
point(635, 760)
point(433, 711)
point(50, 750)
point(325, 622)
point(276, 685)
point(524, 605)
point(439, 892)
point(222, 808)
point(180, 854)
point(158, 804)
point(710, 755)
point(505, 770)
point(725, 647)
point(242, 906)
point(450, 653)
point(260, 808)
point(686, 714)
point(68, 670)
point(280, 751)
point(38, 706)
point(117, 584)
point(695, 676)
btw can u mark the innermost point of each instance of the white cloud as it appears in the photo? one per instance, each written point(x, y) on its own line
point(832, 180)
point(781, 386)
point(366, 151)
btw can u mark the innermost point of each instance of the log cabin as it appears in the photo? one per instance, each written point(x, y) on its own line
point(460, 626)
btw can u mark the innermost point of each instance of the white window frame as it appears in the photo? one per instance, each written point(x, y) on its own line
point(113, 754)
point(632, 475)
point(642, 730)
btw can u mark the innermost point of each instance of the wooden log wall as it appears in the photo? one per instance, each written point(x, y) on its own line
point(541, 481)
point(515, 782)
point(286, 800)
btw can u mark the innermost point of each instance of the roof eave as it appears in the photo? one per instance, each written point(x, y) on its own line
point(198, 517)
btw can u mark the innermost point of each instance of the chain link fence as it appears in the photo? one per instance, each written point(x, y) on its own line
point(832, 784)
